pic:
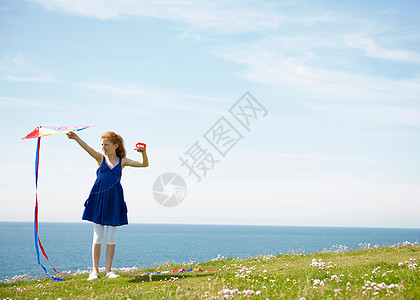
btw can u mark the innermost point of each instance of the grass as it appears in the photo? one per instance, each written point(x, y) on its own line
point(388, 272)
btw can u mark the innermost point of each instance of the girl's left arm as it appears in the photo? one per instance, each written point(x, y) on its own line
point(134, 163)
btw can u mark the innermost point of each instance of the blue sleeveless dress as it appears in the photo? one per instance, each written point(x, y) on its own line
point(106, 205)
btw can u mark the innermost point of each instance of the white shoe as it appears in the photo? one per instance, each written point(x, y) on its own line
point(93, 276)
point(112, 275)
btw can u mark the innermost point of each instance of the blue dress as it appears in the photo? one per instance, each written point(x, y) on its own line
point(106, 205)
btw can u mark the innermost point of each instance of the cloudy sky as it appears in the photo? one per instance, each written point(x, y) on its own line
point(335, 141)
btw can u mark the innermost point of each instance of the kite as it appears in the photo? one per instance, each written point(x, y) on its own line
point(39, 132)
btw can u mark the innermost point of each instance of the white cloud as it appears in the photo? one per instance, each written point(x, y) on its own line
point(13, 101)
point(153, 97)
point(20, 68)
point(293, 64)
point(373, 49)
point(13, 61)
point(226, 15)
point(38, 78)
point(392, 114)
point(271, 157)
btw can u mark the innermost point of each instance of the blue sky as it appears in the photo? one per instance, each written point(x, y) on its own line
point(339, 80)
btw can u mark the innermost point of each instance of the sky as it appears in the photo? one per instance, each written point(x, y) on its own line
point(330, 90)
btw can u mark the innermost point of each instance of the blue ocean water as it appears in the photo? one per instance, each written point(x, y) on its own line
point(68, 245)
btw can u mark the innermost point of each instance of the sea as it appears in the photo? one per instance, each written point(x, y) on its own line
point(68, 245)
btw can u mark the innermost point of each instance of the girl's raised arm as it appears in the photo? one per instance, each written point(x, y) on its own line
point(134, 163)
point(96, 155)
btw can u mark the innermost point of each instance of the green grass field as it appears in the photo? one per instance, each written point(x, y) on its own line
point(379, 273)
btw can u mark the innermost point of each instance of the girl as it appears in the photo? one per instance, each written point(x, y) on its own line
point(105, 205)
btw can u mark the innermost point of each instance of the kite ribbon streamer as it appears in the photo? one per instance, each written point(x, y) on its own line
point(175, 271)
point(39, 132)
point(37, 239)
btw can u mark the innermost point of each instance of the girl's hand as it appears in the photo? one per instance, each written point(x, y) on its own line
point(140, 147)
point(72, 135)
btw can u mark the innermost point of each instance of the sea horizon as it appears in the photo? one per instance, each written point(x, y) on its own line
point(223, 224)
point(68, 244)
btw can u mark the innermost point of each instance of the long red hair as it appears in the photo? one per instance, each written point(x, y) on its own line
point(115, 139)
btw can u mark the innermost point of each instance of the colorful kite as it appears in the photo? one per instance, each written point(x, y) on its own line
point(38, 133)
point(44, 131)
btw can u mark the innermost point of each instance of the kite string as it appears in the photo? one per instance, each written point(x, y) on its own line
point(102, 191)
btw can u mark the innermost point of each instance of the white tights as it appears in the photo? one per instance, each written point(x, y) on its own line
point(98, 234)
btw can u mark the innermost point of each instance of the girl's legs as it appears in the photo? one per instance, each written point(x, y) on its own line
point(96, 254)
point(98, 236)
point(110, 251)
point(111, 232)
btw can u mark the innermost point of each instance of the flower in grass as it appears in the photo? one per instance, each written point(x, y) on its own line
point(335, 277)
point(248, 292)
point(407, 243)
point(267, 257)
point(382, 285)
point(365, 245)
point(320, 264)
point(219, 257)
point(411, 264)
point(229, 291)
point(337, 249)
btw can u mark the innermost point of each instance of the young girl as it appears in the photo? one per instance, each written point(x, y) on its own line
point(105, 205)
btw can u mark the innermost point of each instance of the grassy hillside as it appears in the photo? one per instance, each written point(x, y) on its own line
point(390, 272)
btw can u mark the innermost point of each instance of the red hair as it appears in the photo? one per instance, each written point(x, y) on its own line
point(115, 139)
